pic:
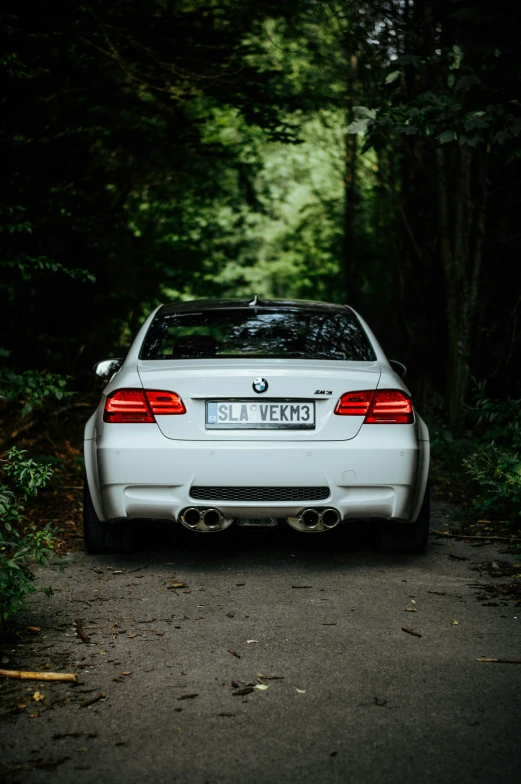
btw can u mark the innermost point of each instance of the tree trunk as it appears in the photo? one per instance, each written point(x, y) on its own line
point(351, 273)
point(461, 244)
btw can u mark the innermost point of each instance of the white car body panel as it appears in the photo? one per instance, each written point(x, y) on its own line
point(220, 379)
point(147, 470)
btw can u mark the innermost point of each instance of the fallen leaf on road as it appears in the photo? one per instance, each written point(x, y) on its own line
point(453, 622)
point(410, 609)
point(411, 631)
point(187, 697)
point(225, 713)
point(230, 615)
point(33, 628)
point(249, 642)
point(92, 700)
point(329, 624)
point(499, 661)
point(159, 632)
point(260, 687)
point(244, 690)
point(234, 654)
point(128, 672)
point(177, 585)
point(38, 696)
point(301, 586)
point(439, 593)
point(457, 557)
point(300, 691)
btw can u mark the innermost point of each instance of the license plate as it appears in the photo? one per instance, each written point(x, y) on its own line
point(252, 415)
point(259, 522)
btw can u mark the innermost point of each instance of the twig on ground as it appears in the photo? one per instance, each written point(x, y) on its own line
point(475, 536)
point(411, 631)
point(79, 631)
point(25, 675)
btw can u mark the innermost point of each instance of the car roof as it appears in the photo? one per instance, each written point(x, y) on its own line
point(255, 302)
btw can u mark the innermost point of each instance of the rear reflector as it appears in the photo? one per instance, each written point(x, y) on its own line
point(140, 405)
point(380, 407)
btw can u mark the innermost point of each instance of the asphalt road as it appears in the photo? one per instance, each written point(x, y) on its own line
point(356, 698)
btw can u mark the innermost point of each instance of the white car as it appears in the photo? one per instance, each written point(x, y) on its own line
point(255, 413)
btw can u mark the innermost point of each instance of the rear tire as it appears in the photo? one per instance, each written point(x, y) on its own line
point(393, 537)
point(105, 538)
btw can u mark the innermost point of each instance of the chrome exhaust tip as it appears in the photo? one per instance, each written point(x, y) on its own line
point(212, 518)
point(315, 520)
point(190, 517)
point(330, 518)
point(310, 518)
point(204, 520)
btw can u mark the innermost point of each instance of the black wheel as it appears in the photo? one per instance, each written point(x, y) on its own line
point(405, 537)
point(102, 537)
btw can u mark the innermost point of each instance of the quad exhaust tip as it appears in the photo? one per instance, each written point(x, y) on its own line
point(204, 520)
point(201, 519)
point(312, 520)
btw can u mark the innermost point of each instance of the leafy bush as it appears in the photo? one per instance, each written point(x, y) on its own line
point(21, 545)
point(31, 387)
point(496, 464)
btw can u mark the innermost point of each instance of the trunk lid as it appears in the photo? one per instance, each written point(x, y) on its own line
point(314, 382)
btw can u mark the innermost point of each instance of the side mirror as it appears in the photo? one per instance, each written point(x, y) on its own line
point(107, 367)
point(399, 367)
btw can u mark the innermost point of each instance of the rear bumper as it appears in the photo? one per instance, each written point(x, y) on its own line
point(134, 471)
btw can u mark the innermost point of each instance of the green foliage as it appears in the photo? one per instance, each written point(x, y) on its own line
point(457, 98)
point(496, 464)
point(31, 388)
point(21, 545)
point(196, 149)
point(12, 221)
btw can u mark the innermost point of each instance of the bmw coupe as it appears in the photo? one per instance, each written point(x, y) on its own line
point(255, 413)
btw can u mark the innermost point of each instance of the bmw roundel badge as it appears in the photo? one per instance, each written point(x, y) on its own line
point(260, 385)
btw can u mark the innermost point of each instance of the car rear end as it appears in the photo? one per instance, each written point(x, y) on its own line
point(228, 412)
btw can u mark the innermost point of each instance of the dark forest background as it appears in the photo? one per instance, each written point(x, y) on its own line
point(341, 150)
point(360, 152)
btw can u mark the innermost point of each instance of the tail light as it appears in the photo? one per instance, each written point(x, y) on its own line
point(141, 405)
point(380, 407)
point(354, 403)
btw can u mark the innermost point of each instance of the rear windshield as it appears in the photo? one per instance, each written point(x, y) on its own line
point(241, 333)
